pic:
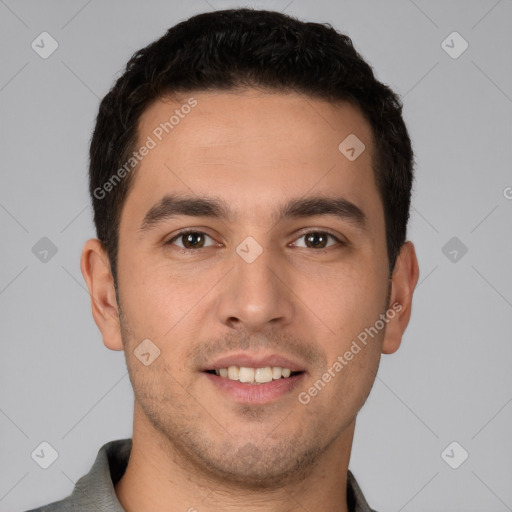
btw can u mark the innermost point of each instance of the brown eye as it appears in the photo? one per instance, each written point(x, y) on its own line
point(190, 240)
point(317, 240)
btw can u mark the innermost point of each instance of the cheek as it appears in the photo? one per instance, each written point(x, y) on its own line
point(348, 297)
point(146, 296)
point(160, 299)
point(350, 303)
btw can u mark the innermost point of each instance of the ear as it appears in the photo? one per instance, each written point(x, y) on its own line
point(96, 270)
point(403, 282)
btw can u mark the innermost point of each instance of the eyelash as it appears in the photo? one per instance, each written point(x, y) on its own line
point(194, 231)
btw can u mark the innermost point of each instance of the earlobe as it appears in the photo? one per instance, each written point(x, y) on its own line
point(95, 268)
point(404, 279)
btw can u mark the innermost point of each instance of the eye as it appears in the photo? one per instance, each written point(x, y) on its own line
point(190, 240)
point(317, 240)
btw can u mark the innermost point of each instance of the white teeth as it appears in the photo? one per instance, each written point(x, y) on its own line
point(276, 372)
point(233, 372)
point(253, 375)
point(246, 374)
point(263, 374)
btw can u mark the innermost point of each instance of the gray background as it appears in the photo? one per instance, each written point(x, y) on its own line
point(450, 381)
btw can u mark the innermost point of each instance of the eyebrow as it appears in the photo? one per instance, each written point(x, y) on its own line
point(171, 206)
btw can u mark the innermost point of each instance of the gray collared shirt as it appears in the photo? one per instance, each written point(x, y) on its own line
point(95, 492)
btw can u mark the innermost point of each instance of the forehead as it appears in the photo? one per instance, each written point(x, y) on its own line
point(254, 149)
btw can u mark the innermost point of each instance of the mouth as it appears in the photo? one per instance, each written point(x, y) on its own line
point(254, 386)
point(256, 376)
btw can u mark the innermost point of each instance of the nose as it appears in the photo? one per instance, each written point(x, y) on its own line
point(256, 295)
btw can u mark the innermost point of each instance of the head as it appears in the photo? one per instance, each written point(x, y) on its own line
point(297, 249)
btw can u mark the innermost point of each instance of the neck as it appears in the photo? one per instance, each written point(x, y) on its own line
point(159, 478)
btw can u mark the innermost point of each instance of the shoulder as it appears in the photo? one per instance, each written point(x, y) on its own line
point(95, 490)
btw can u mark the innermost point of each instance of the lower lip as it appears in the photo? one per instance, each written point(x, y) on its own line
point(255, 393)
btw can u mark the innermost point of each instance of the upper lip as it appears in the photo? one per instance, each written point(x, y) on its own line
point(255, 361)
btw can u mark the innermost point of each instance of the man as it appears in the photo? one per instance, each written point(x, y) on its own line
point(251, 184)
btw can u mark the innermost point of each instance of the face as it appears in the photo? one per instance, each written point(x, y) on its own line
point(283, 264)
